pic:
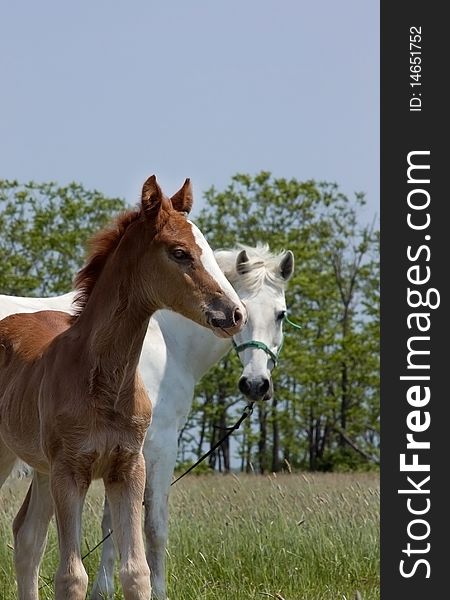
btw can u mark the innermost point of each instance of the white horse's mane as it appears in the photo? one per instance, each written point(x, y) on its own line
point(263, 267)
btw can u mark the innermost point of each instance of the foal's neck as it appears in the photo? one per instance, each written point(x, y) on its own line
point(115, 318)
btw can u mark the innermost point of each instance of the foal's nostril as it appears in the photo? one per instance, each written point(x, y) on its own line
point(237, 316)
point(244, 386)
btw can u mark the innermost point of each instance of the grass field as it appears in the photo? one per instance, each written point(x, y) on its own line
point(291, 537)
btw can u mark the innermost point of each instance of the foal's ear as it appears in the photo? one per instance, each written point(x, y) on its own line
point(183, 199)
point(287, 265)
point(242, 263)
point(152, 199)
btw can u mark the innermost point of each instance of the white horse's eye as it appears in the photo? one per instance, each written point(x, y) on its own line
point(281, 315)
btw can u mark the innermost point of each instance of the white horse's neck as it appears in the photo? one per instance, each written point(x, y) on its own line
point(194, 349)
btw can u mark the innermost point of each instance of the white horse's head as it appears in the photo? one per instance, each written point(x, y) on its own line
point(259, 277)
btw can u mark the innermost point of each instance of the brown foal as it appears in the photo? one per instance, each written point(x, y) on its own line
point(72, 404)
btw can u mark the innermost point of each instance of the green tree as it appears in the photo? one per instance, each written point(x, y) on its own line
point(43, 232)
point(324, 414)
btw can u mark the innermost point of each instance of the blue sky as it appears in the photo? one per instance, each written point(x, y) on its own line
point(107, 93)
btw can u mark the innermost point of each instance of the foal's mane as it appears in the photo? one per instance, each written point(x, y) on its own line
point(101, 246)
point(262, 267)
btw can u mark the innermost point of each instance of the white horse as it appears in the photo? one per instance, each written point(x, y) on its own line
point(181, 352)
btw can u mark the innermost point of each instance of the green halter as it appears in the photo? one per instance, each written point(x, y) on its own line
point(263, 346)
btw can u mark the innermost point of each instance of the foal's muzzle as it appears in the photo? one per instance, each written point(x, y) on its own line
point(225, 319)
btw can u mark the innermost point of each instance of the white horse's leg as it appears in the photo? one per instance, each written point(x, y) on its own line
point(125, 490)
point(160, 451)
point(30, 536)
point(104, 583)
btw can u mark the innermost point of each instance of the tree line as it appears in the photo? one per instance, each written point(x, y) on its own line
point(324, 414)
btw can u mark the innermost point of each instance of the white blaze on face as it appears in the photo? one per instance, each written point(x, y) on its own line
point(210, 265)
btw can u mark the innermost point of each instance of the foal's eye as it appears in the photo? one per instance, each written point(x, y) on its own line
point(281, 315)
point(180, 254)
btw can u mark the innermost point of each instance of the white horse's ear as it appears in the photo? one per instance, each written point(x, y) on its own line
point(242, 263)
point(287, 265)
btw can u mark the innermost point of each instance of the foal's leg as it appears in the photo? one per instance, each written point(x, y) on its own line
point(160, 451)
point(30, 535)
point(69, 491)
point(125, 491)
point(104, 583)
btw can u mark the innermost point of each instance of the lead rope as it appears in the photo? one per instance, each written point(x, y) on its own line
point(247, 412)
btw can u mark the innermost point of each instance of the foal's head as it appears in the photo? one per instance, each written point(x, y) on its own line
point(171, 263)
point(259, 277)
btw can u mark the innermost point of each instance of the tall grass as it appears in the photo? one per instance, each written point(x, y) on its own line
point(291, 537)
